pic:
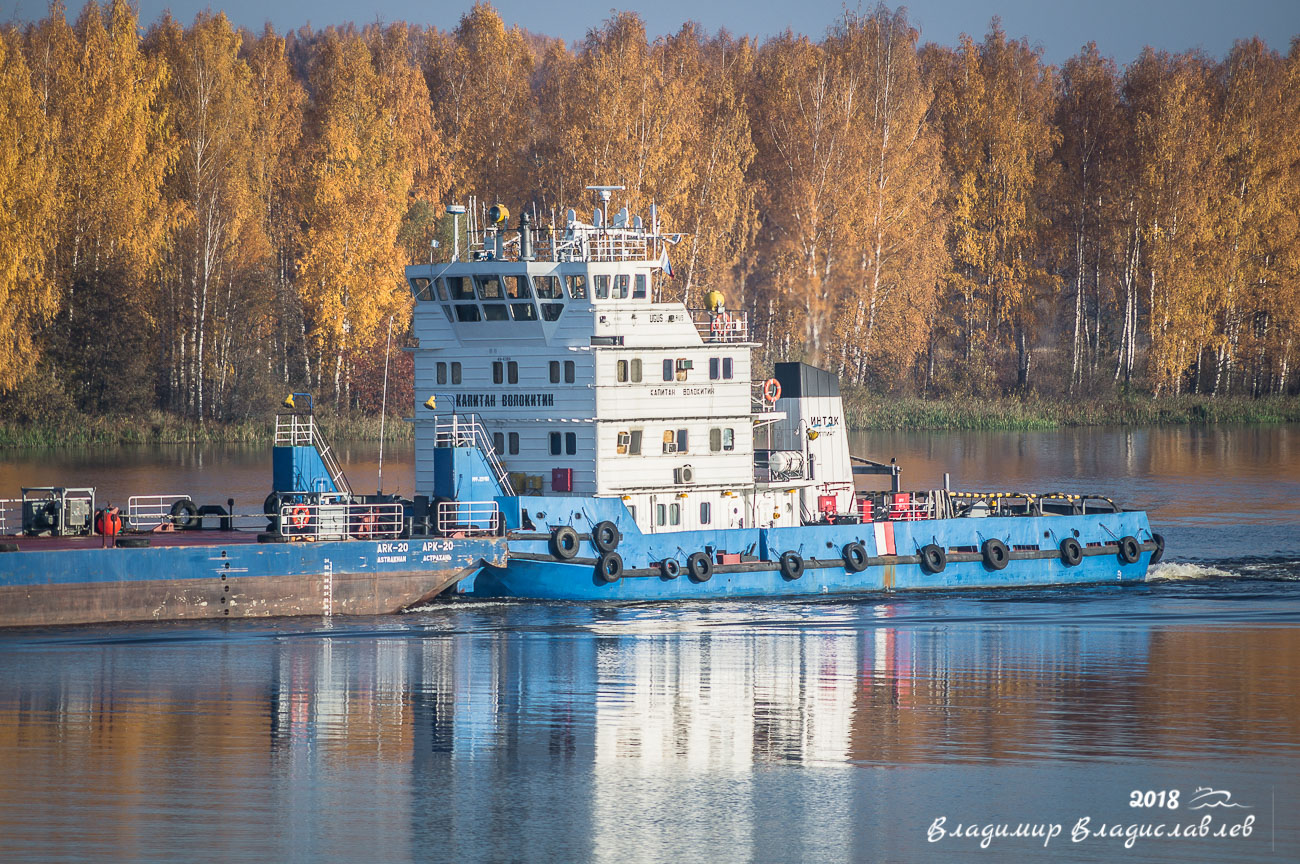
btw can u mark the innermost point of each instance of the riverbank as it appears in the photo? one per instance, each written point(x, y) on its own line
point(158, 427)
point(863, 411)
point(874, 411)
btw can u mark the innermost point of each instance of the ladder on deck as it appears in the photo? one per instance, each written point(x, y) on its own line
point(294, 430)
point(470, 433)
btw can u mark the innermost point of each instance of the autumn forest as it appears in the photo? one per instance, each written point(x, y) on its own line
point(194, 218)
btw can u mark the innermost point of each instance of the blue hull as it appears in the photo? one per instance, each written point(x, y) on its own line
point(208, 579)
point(534, 572)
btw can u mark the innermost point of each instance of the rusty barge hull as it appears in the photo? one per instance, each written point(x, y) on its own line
point(58, 581)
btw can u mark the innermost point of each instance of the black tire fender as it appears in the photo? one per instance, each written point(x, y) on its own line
point(610, 567)
point(564, 543)
point(269, 537)
point(791, 565)
point(131, 542)
point(933, 558)
point(1158, 555)
point(669, 568)
point(605, 536)
point(1071, 552)
point(184, 514)
point(996, 554)
point(1129, 550)
point(855, 557)
point(700, 567)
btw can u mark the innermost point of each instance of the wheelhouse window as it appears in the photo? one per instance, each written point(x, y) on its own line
point(420, 288)
point(489, 287)
point(639, 288)
point(621, 287)
point(459, 287)
point(523, 311)
point(547, 287)
point(467, 312)
point(552, 311)
point(442, 290)
point(577, 287)
point(602, 287)
point(517, 288)
point(495, 312)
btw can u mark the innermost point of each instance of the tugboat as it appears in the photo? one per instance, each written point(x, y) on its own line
point(316, 548)
point(621, 443)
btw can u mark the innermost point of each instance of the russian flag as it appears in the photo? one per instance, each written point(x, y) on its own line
point(666, 264)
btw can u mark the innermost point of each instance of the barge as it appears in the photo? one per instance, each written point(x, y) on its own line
point(317, 548)
point(629, 451)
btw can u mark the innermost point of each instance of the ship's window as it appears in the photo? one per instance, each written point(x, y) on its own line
point(512, 372)
point(668, 370)
point(634, 443)
point(722, 439)
point(727, 367)
point(661, 514)
point(623, 440)
point(420, 288)
point(547, 287)
point(577, 287)
point(728, 439)
point(523, 311)
point(460, 288)
point(670, 441)
point(514, 443)
point(620, 287)
point(715, 368)
point(622, 371)
point(446, 311)
point(551, 311)
point(517, 288)
point(442, 291)
point(681, 441)
point(571, 443)
point(706, 512)
point(638, 292)
point(495, 312)
point(442, 373)
point(498, 442)
point(489, 287)
point(555, 371)
point(555, 443)
point(498, 372)
point(715, 439)
point(674, 514)
point(684, 367)
point(602, 287)
point(636, 369)
point(455, 373)
point(467, 312)
point(569, 372)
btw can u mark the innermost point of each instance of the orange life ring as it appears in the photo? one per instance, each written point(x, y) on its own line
point(719, 325)
point(367, 528)
point(771, 389)
point(300, 516)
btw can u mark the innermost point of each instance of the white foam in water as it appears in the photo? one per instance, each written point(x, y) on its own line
point(1175, 572)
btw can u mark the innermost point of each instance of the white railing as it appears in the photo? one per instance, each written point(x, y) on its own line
point(721, 326)
point(299, 430)
point(470, 433)
point(11, 510)
point(150, 511)
point(468, 517)
point(342, 521)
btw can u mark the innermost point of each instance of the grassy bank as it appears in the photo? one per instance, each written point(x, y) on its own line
point(158, 427)
point(873, 411)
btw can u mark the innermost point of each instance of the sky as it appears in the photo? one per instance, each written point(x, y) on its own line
point(1120, 27)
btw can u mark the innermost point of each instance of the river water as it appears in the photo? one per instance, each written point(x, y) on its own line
point(865, 729)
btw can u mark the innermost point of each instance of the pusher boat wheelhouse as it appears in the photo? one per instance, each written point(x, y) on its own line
point(620, 442)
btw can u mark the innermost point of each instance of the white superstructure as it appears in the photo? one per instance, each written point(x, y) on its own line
point(586, 383)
